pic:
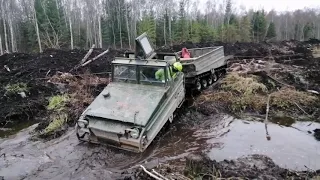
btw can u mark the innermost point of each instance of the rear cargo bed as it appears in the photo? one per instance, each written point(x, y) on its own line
point(203, 60)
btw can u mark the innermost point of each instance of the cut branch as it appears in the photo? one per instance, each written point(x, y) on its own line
point(87, 55)
point(150, 174)
point(97, 57)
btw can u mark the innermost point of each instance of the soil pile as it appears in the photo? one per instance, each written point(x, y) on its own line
point(25, 91)
point(250, 49)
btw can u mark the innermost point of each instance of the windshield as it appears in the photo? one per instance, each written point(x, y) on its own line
point(125, 72)
point(152, 74)
point(147, 74)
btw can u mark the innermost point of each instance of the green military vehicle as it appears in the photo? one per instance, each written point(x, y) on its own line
point(133, 108)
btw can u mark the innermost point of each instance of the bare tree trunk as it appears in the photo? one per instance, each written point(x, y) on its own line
point(79, 32)
point(170, 30)
point(13, 49)
point(286, 27)
point(87, 39)
point(318, 36)
point(135, 21)
point(5, 28)
point(128, 29)
point(1, 49)
point(4, 23)
point(100, 31)
point(114, 35)
point(95, 30)
point(37, 29)
point(164, 27)
point(71, 31)
point(5, 35)
point(119, 23)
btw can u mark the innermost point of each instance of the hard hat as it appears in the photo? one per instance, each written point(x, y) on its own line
point(178, 66)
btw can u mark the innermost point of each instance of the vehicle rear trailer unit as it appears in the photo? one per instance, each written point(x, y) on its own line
point(204, 67)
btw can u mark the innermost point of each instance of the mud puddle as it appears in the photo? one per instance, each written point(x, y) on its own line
point(221, 136)
point(290, 147)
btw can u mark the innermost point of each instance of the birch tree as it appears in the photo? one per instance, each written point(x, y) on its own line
point(1, 49)
point(3, 10)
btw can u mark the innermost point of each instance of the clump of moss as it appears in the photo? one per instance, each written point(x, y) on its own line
point(58, 120)
point(16, 88)
point(58, 102)
point(59, 116)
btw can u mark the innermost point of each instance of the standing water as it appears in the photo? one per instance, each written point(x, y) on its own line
point(222, 137)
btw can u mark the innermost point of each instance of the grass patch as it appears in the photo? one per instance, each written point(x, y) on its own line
point(286, 98)
point(16, 88)
point(240, 94)
point(58, 102)
point(57, 122)
point(243, 85)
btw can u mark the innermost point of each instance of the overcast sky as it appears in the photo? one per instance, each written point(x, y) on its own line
point(278, 5)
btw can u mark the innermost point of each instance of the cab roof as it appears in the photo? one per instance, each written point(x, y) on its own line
point(129, 61)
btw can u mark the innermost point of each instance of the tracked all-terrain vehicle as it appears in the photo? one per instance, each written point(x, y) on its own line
point(133, 108)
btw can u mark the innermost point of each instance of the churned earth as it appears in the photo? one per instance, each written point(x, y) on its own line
point(206, 141)
point(218, 137)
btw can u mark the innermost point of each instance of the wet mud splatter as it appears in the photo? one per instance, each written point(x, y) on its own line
point(219, 136)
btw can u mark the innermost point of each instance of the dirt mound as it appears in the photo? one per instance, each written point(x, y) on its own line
point(249, 49)
point(25, 91)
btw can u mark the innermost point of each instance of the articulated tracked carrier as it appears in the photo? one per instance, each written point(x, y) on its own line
point(133, 108)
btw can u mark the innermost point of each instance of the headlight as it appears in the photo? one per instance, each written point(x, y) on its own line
point(82, 123)
point(134, 133)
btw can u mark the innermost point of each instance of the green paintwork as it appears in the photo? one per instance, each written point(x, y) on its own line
point(129, 103)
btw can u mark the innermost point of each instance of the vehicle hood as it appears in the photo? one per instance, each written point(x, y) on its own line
point(128, 103)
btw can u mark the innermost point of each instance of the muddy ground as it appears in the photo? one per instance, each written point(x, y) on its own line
point(46, 75)
point(29, 74)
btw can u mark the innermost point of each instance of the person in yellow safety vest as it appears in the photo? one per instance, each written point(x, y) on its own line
point(177, 67)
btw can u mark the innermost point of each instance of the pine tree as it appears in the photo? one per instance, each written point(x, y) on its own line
point(271, 31)
point(308, 31)
point(182, 23)
point(147, 24)
point(245, 29)
point(259, 25)
point(51, 22)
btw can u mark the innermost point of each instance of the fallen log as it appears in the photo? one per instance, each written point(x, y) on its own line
point(95, 58)
point(87, 55)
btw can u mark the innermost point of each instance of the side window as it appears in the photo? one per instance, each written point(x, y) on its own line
point(125, 72)
point(149, 74)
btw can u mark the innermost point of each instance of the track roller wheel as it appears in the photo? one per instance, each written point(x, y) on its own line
point(214, 77)
point(198, 85)
point(204, 83)
point(209, 80)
